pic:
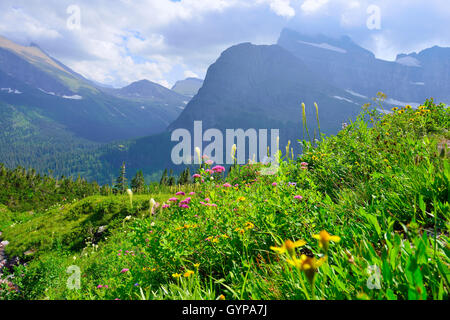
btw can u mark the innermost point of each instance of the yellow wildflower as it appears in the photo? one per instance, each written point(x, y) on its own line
point(221, 297)
point(394, 109)
point(249, 225)
point(324, 239)
point(289, 246)
point(196, 265)
point(176, 275)
point(308, 265)
point(188, 273)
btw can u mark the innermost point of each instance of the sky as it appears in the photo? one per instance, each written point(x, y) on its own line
point(116, 42)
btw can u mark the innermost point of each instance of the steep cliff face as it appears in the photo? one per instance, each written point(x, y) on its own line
point(253, 86)
point(411, 78)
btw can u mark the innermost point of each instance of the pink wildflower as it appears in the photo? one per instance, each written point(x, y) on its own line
point(218, 169)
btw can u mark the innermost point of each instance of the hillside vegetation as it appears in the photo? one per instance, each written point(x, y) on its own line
point(360, 215)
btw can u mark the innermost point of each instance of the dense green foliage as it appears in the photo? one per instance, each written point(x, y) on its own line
point(25, 190)
point(360, 215)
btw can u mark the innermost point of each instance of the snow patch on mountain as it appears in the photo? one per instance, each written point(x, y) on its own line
point(344, 99)
point(324, 45)
point(74, 97)
point(50, 93)
point(409, 62)
point(356, 94)
point(9, 90)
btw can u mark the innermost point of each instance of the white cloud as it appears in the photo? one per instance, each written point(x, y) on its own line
point(163, 41)
point(190, 74)
point(312, 6)
point(282, 8)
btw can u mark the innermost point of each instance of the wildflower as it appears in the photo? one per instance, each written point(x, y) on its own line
point(221, 297)
point(152, 206)
point(186, 201)
point(289, 246)
point(227, 185)
point(394, 109)
point(308, 265)
point(274, 184)
point(218, 169)
point(184, 206)
point(176, 275)
point(99, 286)
point(173, 199)
point(249, 225)
point(304, 164)
point(233, 151)
point(124, 270)
point(180, 193)
point(127, 218)
point(324, 239)
point(241, 199)
point(298, 197)
point(196, 265)
point(165, 206)
point(209, 162)
point(197, 150)
point(192, 194)
point(408, 107)
point(188, 273)
point(196, 176)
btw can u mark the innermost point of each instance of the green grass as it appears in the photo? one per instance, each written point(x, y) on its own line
point(380, 186)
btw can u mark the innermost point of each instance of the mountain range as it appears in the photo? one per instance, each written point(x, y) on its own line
point(188, 87)
point(249, 86)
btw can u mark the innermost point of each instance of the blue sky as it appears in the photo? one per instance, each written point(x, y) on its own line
point(121, 41)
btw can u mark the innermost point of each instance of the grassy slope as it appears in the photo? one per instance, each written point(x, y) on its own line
point(382, 190)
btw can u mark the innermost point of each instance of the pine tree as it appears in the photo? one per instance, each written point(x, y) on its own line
point(188, 176)
point(164, 178)
point(138, 182)
point(171, 182)
point(121, 181)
